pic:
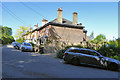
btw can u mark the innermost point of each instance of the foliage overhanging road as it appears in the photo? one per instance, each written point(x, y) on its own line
point(17, 64)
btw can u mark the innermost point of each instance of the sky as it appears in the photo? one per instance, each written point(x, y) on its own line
point(97, 17)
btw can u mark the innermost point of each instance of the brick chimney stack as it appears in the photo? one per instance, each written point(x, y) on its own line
point(59, 15)
point(74, 18)
point(44, 21)
point(35, 26)
point(31, 29)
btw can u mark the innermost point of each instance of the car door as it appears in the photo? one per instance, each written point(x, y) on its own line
point(92, 58)
point(82, 56)
point(73, 53)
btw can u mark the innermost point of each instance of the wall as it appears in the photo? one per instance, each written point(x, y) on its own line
point(70, 35)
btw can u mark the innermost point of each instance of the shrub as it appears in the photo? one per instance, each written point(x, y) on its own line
point(105, 51)
point(90, 47)
point(111, 51)
point(115, 57)
point(60, 53)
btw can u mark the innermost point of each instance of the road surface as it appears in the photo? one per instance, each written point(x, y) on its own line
point(17, 64)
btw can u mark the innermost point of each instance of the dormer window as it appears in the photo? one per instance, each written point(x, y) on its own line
point(64, 21)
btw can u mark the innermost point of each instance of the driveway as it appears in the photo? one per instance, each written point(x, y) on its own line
point(17, 64)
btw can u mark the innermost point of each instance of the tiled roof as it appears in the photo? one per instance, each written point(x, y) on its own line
point(64, 21)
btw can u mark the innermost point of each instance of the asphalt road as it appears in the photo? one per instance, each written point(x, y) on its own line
point(17, 64)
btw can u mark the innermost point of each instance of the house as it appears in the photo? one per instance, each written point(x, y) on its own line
point(59, 29)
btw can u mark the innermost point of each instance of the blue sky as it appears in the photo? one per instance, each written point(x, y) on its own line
point(99, 17)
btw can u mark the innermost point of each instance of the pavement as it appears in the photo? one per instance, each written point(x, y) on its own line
point(17, 64)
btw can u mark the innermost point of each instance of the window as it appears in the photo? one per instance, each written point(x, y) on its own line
point(91, 53)
point(64, 21)
point(84, 52)
point(76, 51)
point(27, 44)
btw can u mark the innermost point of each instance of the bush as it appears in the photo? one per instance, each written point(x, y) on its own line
point(105, 51)
point(115, 57)
point(110, 50)
point(60, 53)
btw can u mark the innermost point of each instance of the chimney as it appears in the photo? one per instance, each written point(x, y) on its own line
point(75, 18)
point(44, 21)
point(31, 29)
point(59, 15)
point(35, 26)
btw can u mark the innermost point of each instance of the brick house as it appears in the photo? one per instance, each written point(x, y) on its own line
point(62, 29)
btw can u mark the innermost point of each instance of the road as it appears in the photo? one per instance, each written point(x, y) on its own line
point(17, 64)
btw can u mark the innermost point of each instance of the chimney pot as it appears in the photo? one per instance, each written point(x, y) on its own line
point(35, 26)
point(31, 29)
point(44, 21)
point(80, 23)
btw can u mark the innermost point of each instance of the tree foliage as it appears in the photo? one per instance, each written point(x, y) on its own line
point(5, 35)
point(20, 31)
point(100, 38)
point(92, 35)
point(20, 40)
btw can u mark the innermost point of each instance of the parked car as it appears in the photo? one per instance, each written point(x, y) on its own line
point(16, 45)
point(78, 56)
point(26, 47)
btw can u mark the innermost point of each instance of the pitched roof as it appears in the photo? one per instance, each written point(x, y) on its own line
point(64, 21)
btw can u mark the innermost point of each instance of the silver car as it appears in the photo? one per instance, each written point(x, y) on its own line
point(26, 47)
point(78, 56)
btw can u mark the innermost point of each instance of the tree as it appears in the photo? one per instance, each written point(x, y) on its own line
point(6, 35)
point(100, 38)
point(20, 40)
point(20, 31)
point(92, 35)
point(7, 31)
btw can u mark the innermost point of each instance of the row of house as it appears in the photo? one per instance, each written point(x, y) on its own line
point(58, 29)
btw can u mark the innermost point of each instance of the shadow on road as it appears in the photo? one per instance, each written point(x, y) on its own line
point(91, 66)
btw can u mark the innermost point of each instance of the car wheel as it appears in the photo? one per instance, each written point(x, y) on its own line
point(112, 66)
point(75, 61)
point(22, 50)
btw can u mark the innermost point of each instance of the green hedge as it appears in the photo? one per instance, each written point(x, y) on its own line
point(111, 51)
point(60, 53)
